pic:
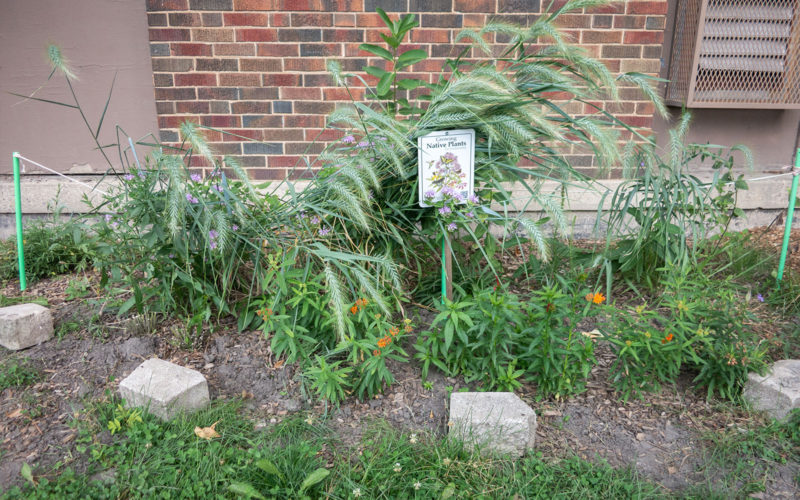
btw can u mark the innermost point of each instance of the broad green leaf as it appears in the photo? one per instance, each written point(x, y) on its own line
point(26, 472)
point(375, 71)
point(388, 22)
point(245, 490)
point(409, 84)
point(314, 478)
point(268, 467)
point(378, 51)
point(410, 57)
point(385, 84)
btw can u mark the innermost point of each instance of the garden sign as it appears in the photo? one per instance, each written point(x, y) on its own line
point(446, 163)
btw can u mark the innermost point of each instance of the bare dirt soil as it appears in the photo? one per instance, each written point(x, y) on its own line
point(661, 436)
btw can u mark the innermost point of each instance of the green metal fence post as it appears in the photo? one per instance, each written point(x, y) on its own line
point(789, 215)
point(18, 210)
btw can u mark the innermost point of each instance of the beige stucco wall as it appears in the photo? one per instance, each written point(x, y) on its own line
point(100, 38)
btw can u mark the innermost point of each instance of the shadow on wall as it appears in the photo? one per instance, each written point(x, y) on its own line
point(771, 134)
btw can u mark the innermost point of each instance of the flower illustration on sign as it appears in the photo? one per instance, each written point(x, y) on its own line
point(447, 173)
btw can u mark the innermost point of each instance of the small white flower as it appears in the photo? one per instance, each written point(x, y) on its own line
point(397, 467)
point(413, 439)
point(310, 420)
point(446, 462)
point(417, 485)
point(357, 492)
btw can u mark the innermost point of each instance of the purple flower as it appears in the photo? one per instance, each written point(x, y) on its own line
point(128, 177)
point(760, 298)
point(452, 226)
point(108, 217)
point(458, 198)
point(212, 244)
point(171, 256)
point(430, 194)
point(235, 227)
point(445, 210)
point(115, 224)
point(448, 191)
point(314, 220)
point(470, 215)
point(191, 199)
point(213, 234)
point(324, 231)
point(141, 174)
point(195, 177)
point(348, 139)
point(474, 199)
point(217, 188)
point(364, 144)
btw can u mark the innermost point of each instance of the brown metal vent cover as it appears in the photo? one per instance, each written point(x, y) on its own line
point(735, 54)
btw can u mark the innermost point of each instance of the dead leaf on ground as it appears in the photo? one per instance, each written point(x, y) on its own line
point(207, 433)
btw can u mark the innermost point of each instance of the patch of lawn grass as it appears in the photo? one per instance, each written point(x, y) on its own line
point(148, 458)
point(738, 461)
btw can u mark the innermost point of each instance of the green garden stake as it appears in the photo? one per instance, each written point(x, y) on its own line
point(18, 210)
point(789, 215)
point(447, 270)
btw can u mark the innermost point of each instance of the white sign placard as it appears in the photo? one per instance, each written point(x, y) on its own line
point(446, 165)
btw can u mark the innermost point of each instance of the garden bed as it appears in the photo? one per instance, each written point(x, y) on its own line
point(670, 437)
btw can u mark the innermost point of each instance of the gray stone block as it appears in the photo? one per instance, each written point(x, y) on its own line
point(777, 392)
point(165, 389)
point(495, 421)
point(25, 325)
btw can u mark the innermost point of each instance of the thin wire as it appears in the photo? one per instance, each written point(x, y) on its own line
point(93, 188)
point(755, 179)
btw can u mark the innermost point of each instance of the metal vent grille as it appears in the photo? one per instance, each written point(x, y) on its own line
point(736, 54)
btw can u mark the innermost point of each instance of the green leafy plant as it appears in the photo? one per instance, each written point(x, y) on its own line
point(54, 245)
point(559, 356)
point(498, 339)
point(18, 372)
point(697, 324)
point(124, 419)
point(662, 216)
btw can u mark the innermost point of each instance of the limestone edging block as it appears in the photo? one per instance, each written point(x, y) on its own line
point(495, 421)
point(25, 325)
point(777, 392)
point(165, 389)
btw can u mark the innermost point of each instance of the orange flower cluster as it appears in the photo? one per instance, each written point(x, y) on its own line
point(264, 313)
point(360, 303)
point(597, 298)
point(384, 341)
point(666, 339)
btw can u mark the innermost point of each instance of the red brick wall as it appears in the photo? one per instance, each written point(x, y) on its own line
point(256, 68)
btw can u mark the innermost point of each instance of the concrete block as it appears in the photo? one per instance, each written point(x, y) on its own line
point(25, 325)
point(496, 421)
point(165, 389)
point(778, 392)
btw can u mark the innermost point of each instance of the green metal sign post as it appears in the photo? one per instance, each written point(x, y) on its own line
point(789, 215)
point(18, 210)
